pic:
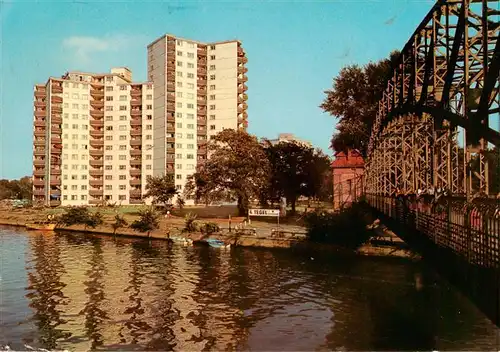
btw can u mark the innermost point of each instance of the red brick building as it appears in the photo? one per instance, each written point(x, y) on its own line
point(347, 171)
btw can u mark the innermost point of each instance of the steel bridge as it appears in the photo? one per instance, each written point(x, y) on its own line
point(436, 133)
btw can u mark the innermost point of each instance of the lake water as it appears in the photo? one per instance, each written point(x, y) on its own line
point(77, 292)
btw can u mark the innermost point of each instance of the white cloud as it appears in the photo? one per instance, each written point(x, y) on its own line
point(82, 48)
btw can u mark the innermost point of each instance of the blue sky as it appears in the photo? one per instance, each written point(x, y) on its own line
point(294, 50)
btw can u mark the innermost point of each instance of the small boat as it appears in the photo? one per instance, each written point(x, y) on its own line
point(212, 242)
point(40, 226)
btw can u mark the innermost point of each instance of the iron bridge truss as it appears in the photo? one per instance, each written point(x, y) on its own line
point(445, 81)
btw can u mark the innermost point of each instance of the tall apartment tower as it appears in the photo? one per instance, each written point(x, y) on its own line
point(199, 91)
point(93, 139)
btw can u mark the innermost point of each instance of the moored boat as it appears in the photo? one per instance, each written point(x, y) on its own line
point(40, 226)
point(212, 242)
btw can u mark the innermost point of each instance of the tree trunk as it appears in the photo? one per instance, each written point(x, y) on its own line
point(293, 200)
point(242, 205)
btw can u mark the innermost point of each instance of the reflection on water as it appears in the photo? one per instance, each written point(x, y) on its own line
point(71, 291)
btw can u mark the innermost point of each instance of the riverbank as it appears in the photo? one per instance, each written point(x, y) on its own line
point(259, 234)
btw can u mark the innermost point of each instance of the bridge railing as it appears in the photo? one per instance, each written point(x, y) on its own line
point(470, 229)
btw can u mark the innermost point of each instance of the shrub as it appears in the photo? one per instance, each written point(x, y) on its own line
point(119, 222)
point(94, 220)
point(345, 228)
point(209, 228)
point(149, 221)
point(190, 224)
point(180, 202)
point(80, 216)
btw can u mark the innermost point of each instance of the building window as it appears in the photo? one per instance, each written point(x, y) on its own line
point(109, 187)
point(109, 138)
point(212, 57)
point(148, 167)
point(123, 147)
point(179, 84)
point(179, 105)
point(149, 97)
point(109, 108)
point(149, 127)
point(149, 136)
point(212, 107)
point(109, 88)
point(123, 117)
point(178, 166)
point(179, 125)
point(108, 177)
point(212, 86)
point(212, 77)
point(178, 177)
point(212, 127)
point(123, 167)
point(109, 98)
point(190, 156)
point(212, 97)
point(123, 97)
point(212, 67)
point(123, 87)
point(179, 63)
point(212, 117)
point(109, 118)
point(109, 128)
point(149, 117)
point(190, 75)
point(179, 53)
point(122, 127)
point(109, 147)
point(122, 197)
point(190, 126)
point(190, 85)
point(190, 106)
point(212, 47)
point(190, 55)
point(178, 156)
point(122, 177)
point(122, 187)
point(178, 187)
point(123, 107)
point(179, 94)
point(179, 115)
point(190, 146)
point(149, 107)
point(190, 136)
point(109, 157)
point(190, 95)
point(75, 106)
point(178, 146)
point(190, 116)
point(179, 74)
point(123, 137)
point(190, 65)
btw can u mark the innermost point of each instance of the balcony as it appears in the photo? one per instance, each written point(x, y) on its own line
point(170, 118)
point(202, 130)
point(135, 152)
point(39, 152)
point(96, 113)
point(39, 133)
point(202, 111)
point(202, 82)
point(56, 151)
point(202, 101)
point(38, 182)
point(96, 162)
point(55, 130)
point(170, 139)
point(136, 102)
point(135, 182)
point(55, 171)
point(136, 132)
point(96, 192)
point(96, 172)
point(242, 79)
point(135, 193)
point(243, 97)
point(39, 172)
point(39, 162)
point(40, 123)
point(202, 71)
point(96, 182)
point(170, 170)
point(97, 123)
point(96, 152)
point(96, 143)
point(135, 112)
point(39, 104)
point(136, 92)
point(55, 203)
point(135, 201)
point(97, 103)
point(170, 87)
point(242, 60)
point(55, 181)
point(170, 128)
point(135, 122)
point(202, 122)
point(135, 172)
point(135, 162)
point(56, 89)
point(39, 142)
point(40, 92)
point(56, 109)
point(97, 92)
point(242, 69)
point(57, 119)
point(202, 50)
point(136, 142)
point(55, 140)
point(40, 113)
point(56, 99)
point(39, 192)
point(170, 107)
point(242, 88)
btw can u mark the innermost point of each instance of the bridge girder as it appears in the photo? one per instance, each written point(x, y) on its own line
point(448, 70)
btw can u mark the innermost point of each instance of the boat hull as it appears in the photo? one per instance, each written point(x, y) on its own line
point(41, 227)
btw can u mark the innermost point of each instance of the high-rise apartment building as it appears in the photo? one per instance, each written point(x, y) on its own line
point(93, 139)
point(199, 91)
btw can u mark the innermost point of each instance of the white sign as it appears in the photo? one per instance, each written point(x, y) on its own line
point(263, 212)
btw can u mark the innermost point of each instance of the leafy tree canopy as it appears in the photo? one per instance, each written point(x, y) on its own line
point(16, 189)
point(160, 188)
point(149, 220)
point(353, 100)
point(237, 167)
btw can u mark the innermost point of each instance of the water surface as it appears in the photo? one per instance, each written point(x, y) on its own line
point(77, 292)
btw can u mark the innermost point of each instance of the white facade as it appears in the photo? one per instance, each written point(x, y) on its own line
point(199, 91)
point(98, 133)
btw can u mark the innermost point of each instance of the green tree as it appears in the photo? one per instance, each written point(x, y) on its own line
point(16, 189)
point(119, 222)
point(81, 216)
point(237, 167)
point(354, 99)
point(161, 189)
point(149, 220)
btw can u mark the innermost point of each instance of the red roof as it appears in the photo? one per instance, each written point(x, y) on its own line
point(353, 158)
